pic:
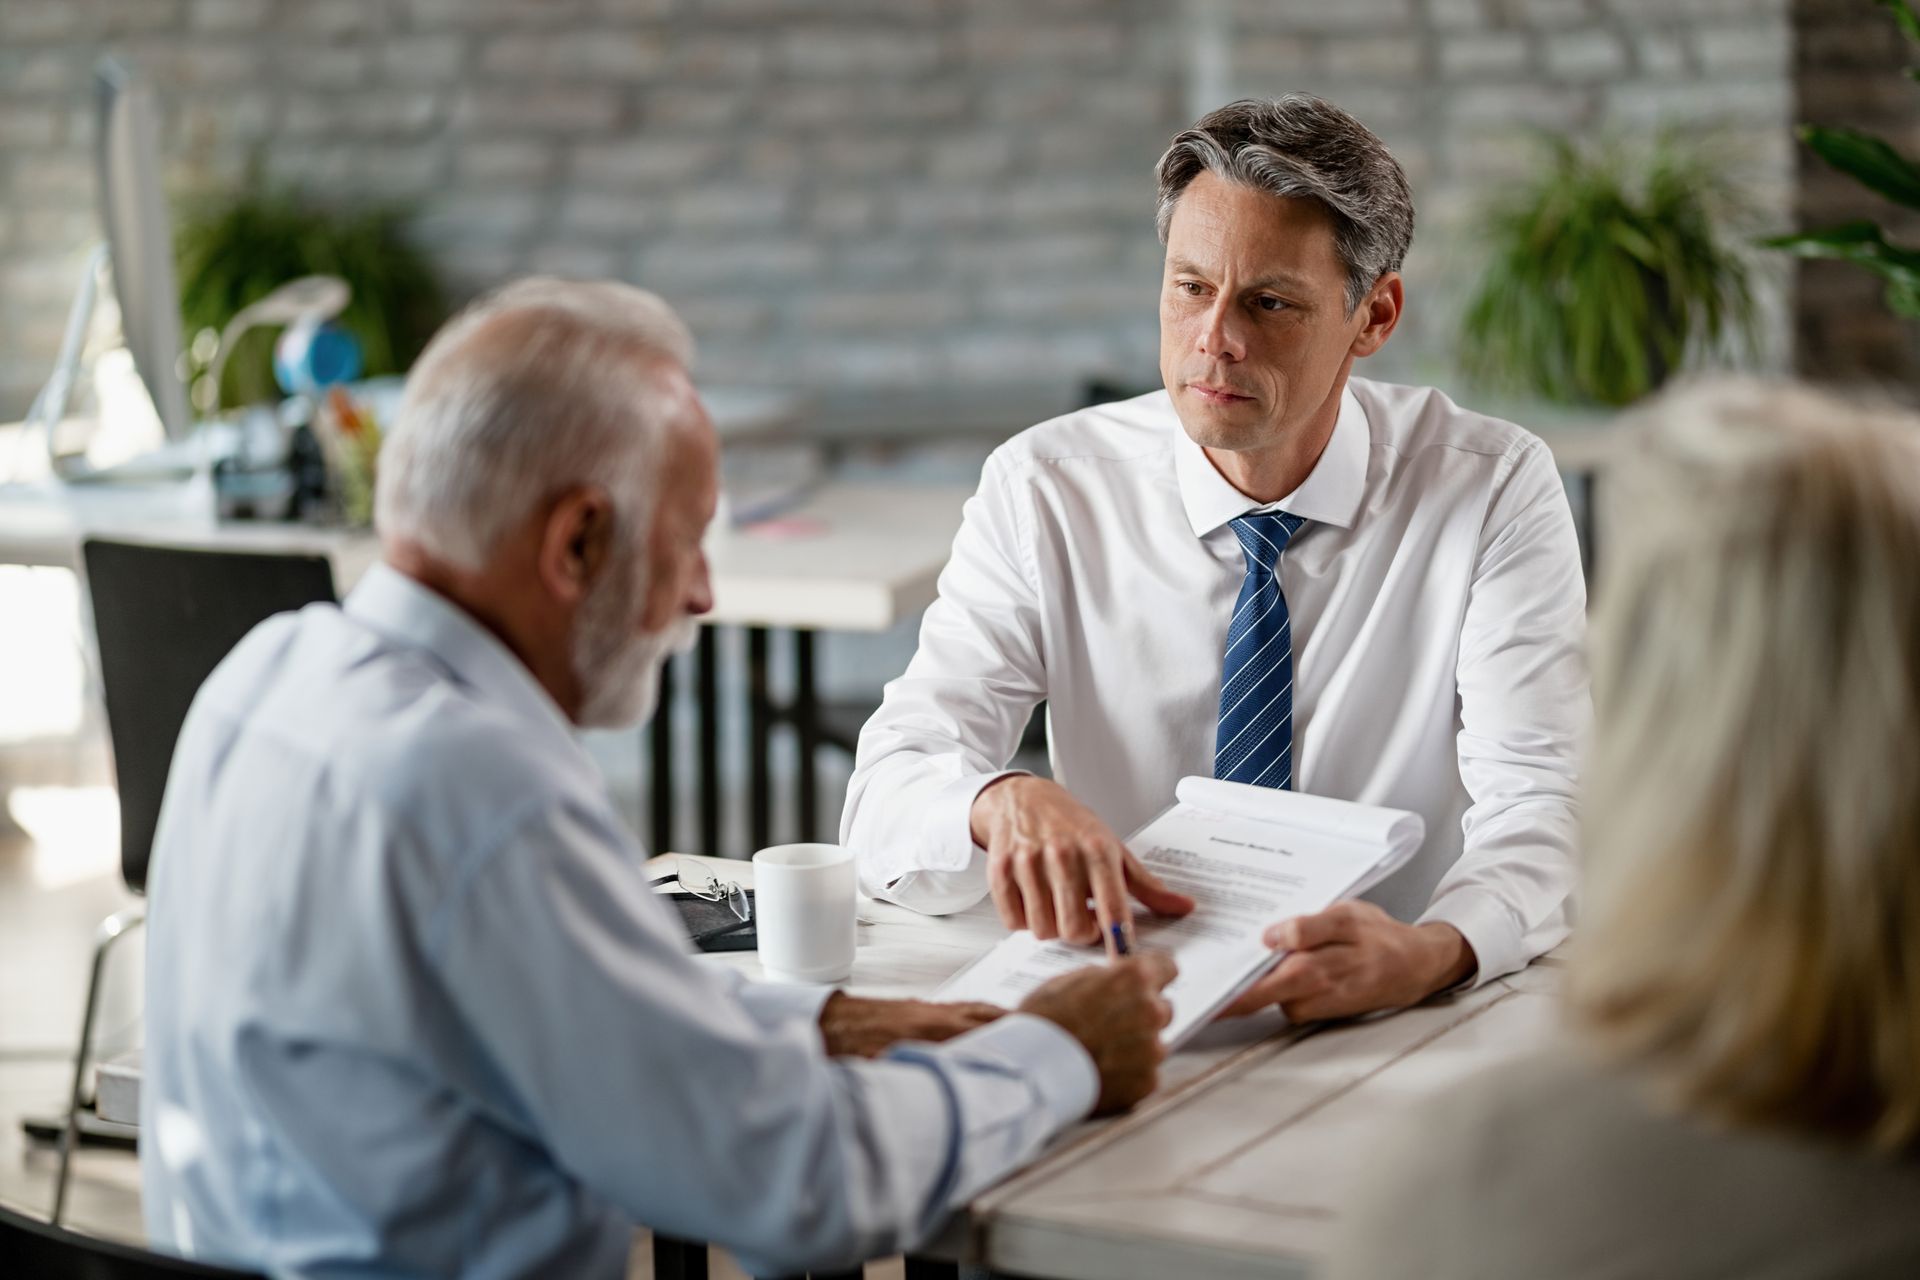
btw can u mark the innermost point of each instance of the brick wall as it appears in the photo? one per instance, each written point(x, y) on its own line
point(1455, 87)
point(1848, 59)
point(847, 194)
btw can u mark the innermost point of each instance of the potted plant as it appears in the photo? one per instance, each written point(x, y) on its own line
point(232, 250)
point(1609, 272)
point(1877, 166)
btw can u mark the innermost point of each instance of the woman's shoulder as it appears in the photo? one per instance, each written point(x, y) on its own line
point(1555, 1165)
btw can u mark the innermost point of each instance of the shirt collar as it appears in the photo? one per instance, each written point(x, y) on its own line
point(1331, 493)
point(411, 613)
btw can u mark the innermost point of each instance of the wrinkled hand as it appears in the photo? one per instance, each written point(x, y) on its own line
point(855, 1027)
point(1047, 854)
point(1117, 1012)
point(1354, 958)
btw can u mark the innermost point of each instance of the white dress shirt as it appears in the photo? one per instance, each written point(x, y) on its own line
point(1438, 615)
point(412, 1009)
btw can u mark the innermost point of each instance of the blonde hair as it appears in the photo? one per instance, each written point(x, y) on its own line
point(1751, 930)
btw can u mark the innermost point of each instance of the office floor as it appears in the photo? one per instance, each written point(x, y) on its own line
point(57, 882)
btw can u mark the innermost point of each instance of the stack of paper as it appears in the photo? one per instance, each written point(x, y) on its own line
point(1249, 856)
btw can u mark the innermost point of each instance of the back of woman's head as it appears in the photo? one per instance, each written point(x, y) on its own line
point(1751, 922)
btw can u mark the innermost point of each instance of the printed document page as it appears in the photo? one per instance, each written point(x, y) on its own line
point(1247, 860)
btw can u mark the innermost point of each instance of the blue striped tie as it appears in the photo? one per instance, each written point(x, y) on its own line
point(1255, 740)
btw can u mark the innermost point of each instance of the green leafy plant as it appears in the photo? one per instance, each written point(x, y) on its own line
point(1877, 166)
point(232, 250)
point(1609, 271)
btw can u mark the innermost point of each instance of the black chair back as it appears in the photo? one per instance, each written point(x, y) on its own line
point(29, 1247)
point(164, 618)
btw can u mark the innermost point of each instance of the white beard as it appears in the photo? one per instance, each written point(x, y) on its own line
point(618, 671)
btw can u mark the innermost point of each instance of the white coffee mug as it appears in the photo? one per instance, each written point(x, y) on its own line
point(803, 911)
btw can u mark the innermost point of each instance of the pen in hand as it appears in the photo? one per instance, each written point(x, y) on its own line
point(1118, 932)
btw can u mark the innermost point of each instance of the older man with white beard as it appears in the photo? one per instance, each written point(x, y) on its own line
point(412, 1010)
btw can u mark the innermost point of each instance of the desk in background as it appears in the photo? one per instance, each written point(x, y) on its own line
point(846, 557)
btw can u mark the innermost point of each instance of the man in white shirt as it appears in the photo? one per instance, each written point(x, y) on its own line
point(1270, 572)
point(413, 1009)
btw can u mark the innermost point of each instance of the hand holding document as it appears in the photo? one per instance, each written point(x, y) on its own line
point(1249, 856)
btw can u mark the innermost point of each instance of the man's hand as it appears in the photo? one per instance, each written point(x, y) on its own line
point(1354, 958)
point(1117, 1012)
point(1047, 854)
point(855, 1027)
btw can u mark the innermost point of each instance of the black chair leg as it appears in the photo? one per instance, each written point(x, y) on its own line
point(112, 929)
point(678, 1259)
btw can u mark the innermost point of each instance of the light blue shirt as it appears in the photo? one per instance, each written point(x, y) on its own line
point(413, 1011)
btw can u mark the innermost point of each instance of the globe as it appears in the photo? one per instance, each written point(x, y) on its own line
point(311, 356)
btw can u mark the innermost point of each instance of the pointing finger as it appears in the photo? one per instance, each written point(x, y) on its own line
point(1153, 894)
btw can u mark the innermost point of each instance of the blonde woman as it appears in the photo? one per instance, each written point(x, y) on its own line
point(1740, 1090)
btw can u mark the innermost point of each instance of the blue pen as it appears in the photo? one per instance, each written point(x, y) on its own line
point(1120, 947)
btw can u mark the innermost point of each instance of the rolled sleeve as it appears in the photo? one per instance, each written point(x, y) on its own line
point(778, 1003)
point(1057, 1066)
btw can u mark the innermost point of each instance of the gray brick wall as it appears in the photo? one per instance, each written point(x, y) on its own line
point(1456, 87)
point(848, 194)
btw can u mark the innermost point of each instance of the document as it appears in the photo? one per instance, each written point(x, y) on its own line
point(1248, 856)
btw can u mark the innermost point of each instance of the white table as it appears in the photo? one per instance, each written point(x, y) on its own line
point(847, 557)
point(1241, 1163)
point(1248, 1176)
point(844, 558)
point(904, 955)
point(850, 557)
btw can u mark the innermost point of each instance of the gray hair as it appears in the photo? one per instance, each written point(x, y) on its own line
point(543, 385)
point(1303, 147)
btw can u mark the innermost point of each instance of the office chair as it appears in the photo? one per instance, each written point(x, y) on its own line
point(30, 1247)
point(163, 618)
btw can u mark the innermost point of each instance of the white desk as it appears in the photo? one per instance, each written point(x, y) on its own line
point(849, 557)
point(1241, 1163)
point(45, 525)
point(1248, 1176)
point(846, 558)
point(904, 955)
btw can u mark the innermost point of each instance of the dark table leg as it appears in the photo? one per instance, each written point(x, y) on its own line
point(660, 766)
point(709, 709)
point(931, 1269)
point(678, 1259)
point(759, 742)
point(806, 725)
point(1584, 486)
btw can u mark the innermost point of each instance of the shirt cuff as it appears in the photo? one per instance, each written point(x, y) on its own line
point(1057, 1065)
point(1487, 925)
point(949, 844)
point(772, 1003)
point(945, 840)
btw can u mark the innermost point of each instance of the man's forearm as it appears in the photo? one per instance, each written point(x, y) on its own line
point(858, 1027)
